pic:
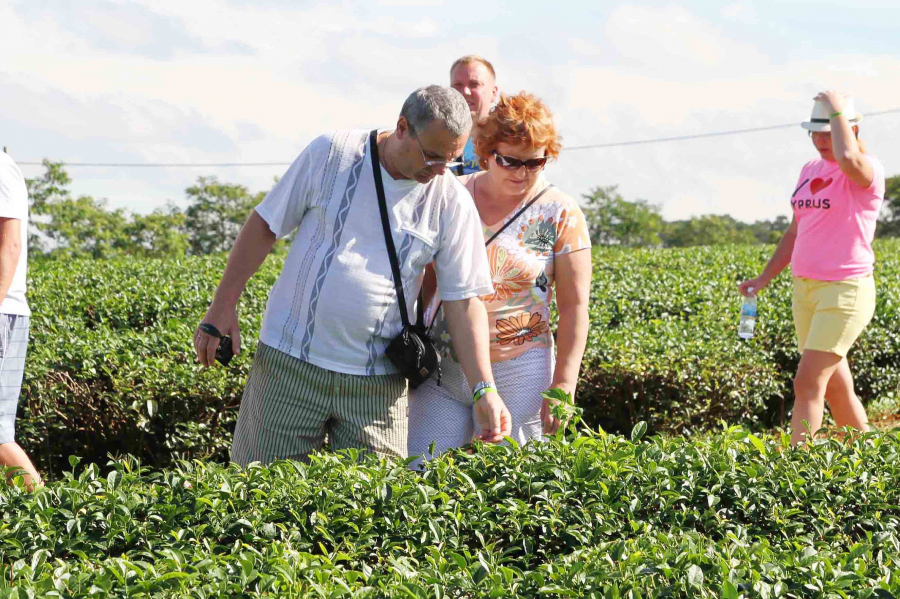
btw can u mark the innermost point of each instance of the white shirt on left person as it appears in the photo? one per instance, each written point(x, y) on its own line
point(14, 204)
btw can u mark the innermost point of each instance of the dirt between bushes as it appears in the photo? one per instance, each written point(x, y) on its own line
point(886, 422)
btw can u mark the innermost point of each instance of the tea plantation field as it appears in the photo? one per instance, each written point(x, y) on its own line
point(722, 511)
point(726, 515)
point(111, 367)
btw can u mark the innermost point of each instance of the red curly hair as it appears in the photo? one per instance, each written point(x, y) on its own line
point(519, 119)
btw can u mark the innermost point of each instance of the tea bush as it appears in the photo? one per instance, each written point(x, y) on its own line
point(663, 343)
point(726, 515)
point(111, 369)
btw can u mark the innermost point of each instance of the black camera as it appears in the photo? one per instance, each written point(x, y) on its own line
point(224, 352)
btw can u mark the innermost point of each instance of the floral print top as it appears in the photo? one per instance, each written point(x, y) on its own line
point(522, 264)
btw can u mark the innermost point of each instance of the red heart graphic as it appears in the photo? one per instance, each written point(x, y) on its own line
point(818, 185)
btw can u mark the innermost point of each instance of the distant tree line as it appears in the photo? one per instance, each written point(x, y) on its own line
point(65, 225)
point(84, 226)
point(613, 220)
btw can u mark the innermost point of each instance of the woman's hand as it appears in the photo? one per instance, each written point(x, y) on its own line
point(493, 418)
point(550, 423)
point(833, 101)
point(757, 285)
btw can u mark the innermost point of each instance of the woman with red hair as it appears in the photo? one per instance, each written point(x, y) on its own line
point(537, 242)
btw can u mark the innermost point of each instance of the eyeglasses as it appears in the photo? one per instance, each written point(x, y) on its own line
point(433, 163)
point(514, 164)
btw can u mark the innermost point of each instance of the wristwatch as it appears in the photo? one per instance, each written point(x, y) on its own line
point(479, 386)
point(482, 388)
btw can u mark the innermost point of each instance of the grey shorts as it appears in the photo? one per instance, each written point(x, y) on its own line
point(13, 346)
point(289, 406)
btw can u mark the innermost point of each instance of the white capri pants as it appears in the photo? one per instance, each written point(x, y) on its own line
point(444, 414)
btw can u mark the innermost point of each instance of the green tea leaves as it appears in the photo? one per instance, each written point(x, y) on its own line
point(638, 431)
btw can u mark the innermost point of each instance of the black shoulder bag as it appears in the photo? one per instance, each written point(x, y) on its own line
point(412, 351)
point(488, 242)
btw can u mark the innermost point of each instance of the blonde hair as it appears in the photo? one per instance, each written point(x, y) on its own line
point(519, 119)
point(469, 59)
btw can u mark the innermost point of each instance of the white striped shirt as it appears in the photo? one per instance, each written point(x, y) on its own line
point(334, 304)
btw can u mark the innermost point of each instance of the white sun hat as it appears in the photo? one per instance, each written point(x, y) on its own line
point(820, 119)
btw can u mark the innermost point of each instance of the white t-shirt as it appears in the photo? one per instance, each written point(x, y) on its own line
point(334, 304)
point(14, 204)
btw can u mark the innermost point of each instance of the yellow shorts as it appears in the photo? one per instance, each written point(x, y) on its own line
point(830, 315)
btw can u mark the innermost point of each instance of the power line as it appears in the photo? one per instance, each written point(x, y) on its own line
point(617, 144)
point(702, 135)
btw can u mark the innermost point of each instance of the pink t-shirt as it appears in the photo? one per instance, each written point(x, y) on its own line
point(835, 222)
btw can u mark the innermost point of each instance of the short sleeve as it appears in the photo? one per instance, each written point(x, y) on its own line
point(284, 206)
point(13, 191)
point(572, 232)
point(877, 188)
point(460, 261)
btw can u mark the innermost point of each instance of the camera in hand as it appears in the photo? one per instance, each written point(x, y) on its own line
point(224, 351)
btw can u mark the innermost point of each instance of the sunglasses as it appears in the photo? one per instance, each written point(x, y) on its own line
point(514, 164)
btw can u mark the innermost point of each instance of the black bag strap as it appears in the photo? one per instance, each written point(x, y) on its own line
point(517, 214)
point(420, 312)
point(389, 239)
point(493, 237)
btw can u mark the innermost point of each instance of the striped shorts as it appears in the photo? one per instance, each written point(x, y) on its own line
point(13, 346)
point(444, 415)
point(289, 406)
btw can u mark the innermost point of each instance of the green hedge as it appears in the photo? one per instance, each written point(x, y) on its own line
point(728, 515)
point(111, 369)
point(663, 344)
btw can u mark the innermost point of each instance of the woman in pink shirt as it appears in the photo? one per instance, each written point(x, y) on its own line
point(829, 248)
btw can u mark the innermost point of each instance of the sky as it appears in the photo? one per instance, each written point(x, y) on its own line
point(243, 81)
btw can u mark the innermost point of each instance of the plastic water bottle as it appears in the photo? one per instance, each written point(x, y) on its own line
point(748, 316)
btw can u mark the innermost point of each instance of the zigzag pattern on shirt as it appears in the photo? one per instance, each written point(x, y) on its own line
point(340, 220)
point(323, 194)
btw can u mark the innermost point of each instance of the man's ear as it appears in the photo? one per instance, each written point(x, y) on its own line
point(402, 127)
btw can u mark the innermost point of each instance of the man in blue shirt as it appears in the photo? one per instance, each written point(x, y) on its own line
point(474, 77)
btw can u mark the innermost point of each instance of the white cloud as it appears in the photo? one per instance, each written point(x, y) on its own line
point(650, 72)
point(740, 11)
point(670, 37)
point(117, 27)
point(681, 75)
point(747, 175)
